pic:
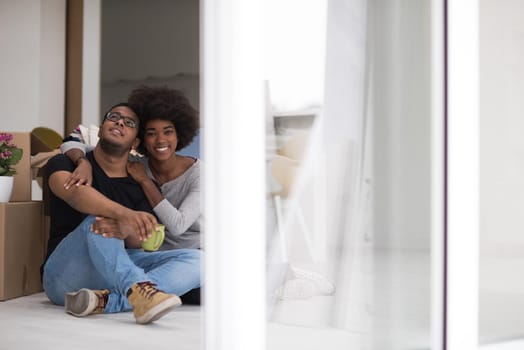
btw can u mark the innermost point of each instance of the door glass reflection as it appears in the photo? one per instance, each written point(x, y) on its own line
point(348, 174)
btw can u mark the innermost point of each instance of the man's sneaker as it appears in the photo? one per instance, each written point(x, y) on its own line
point(86, 302)
point(149, 303)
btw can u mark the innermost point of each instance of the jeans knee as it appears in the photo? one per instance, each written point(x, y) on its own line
point(194, 255)
point(53, 292)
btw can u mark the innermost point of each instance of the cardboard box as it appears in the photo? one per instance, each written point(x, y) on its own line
point(22, 180)
point(22, 248)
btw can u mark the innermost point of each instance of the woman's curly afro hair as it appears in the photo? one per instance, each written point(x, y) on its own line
point(164, 103)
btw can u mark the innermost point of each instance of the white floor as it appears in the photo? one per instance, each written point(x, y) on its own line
point(400, 317)
point(516, 344)
point(32, 322)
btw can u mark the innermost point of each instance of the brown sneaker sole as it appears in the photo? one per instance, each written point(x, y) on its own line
point(159, 310)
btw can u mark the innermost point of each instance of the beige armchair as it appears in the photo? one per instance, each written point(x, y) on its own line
point(284, 168)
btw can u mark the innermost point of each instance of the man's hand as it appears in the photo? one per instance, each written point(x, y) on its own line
point(134, 228)
point(82, 175)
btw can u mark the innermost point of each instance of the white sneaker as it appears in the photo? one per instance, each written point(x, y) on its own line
point(305, 285)
point(322, 284)
point(296, 289)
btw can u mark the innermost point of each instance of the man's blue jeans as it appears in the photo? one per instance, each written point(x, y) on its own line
point(87, 260)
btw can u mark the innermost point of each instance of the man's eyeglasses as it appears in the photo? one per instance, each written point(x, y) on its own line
point(116, 116)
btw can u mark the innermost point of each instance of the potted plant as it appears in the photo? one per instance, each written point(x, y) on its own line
point(10, 155)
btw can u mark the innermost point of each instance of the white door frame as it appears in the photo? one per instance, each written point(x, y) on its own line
point(462, 174)
point(438, 175)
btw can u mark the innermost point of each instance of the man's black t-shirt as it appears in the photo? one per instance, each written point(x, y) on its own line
point(64, 219)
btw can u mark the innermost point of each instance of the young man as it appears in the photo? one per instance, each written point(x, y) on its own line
point(93, 273)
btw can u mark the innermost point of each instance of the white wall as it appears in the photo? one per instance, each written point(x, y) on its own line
point(32, 64)
point(91, 62)
point(501, 126)
point(159, 40)
point(154, 45)
point(401, 182)
point(401, 134)
point(501, 168)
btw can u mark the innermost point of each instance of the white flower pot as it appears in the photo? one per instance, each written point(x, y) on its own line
point(6, 188)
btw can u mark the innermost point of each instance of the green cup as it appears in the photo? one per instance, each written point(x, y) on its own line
point(155, 241)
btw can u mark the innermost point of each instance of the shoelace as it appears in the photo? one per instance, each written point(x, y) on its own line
point(147, 289)
point(102, 300)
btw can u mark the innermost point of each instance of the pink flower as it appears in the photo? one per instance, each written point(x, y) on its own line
point(10, 155)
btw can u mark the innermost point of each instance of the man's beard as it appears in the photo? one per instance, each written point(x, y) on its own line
point(112, 149)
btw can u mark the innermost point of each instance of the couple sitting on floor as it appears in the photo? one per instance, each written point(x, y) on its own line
point(103, 207)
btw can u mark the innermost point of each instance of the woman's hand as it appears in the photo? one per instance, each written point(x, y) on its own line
point(82, 175)
point(107, 227)
point(137, 170)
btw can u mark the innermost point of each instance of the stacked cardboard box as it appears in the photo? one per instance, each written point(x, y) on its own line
point(22, 245)
point(22, 232)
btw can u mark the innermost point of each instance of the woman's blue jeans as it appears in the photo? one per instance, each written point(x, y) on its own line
point(87, 260)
